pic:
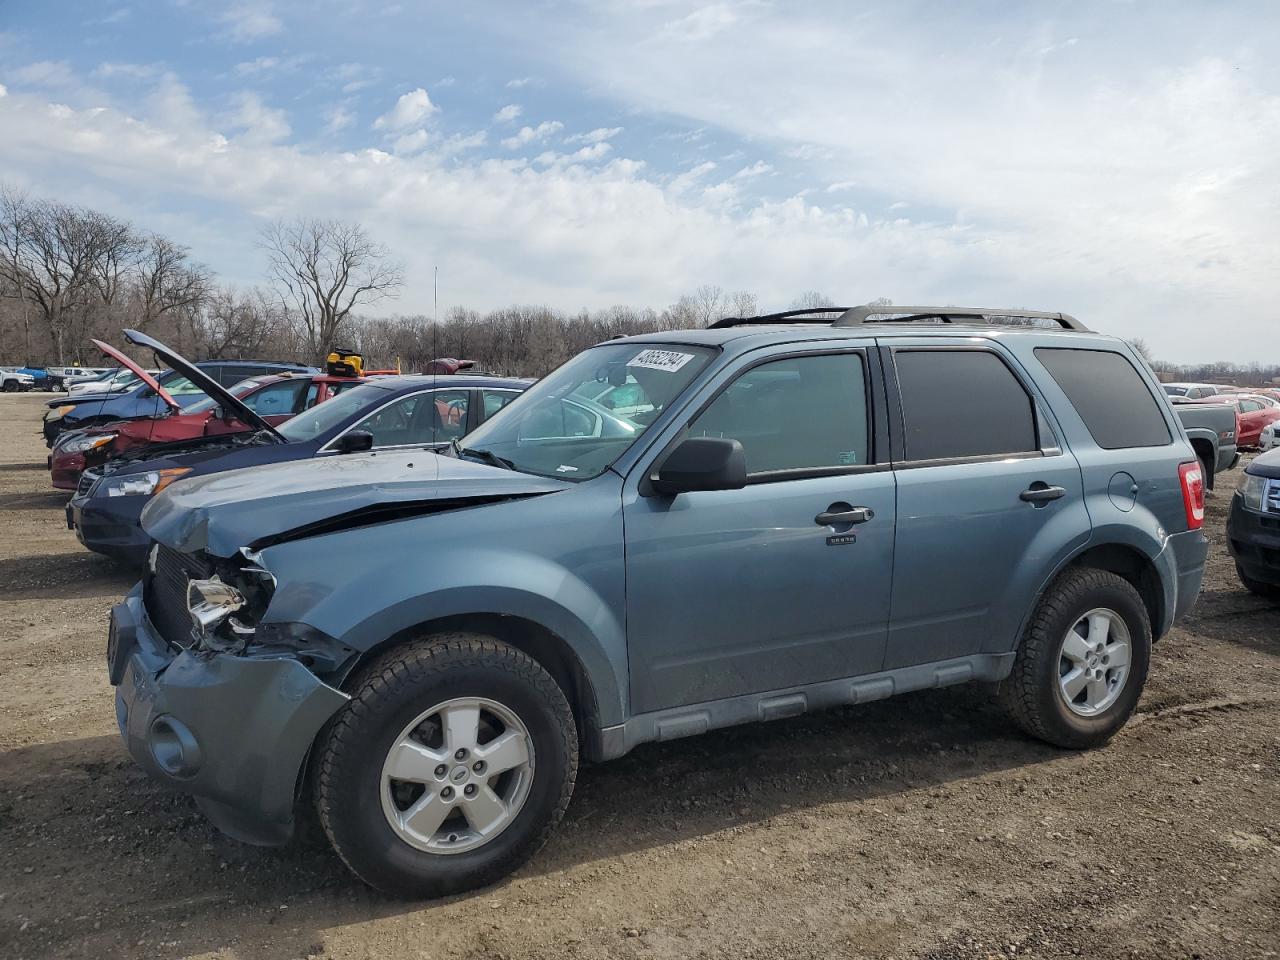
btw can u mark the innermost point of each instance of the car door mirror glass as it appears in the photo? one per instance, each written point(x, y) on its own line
point(355, 441)
point(702, 463)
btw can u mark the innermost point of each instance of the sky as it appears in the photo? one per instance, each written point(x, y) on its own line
point(1116, 160)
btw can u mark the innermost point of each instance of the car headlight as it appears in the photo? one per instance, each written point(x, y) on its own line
point(141, 484)
point(85, 444)
point(1251, 490)
point(63, 410)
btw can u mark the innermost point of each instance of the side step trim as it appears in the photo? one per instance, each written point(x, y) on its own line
point(687, 721)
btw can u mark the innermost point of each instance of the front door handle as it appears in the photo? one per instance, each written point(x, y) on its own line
point(830, 518)
point(1041, 493)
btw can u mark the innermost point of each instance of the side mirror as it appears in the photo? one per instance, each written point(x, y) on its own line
point(355, 441)
point(702, 463)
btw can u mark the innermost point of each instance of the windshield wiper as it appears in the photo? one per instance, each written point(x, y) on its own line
point(484, 456)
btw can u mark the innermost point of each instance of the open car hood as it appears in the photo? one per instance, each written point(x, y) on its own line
point(138, 372)
point(222, 512)
point(225, 399)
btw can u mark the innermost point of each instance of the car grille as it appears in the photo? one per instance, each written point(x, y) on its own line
point(165, 592)
point(87, 480)
point(1271, 499)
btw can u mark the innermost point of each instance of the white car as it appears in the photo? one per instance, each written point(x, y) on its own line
point(1191, 391)
point(11, 380)
point(1270, 437)
point(122, 379)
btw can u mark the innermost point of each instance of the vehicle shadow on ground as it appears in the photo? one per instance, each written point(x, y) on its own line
point(43, 500)
point(16, 467)
point(95, 821)
point(66, 576)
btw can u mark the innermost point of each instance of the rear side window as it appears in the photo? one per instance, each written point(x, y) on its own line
point(1110, 395)
point(962, 403)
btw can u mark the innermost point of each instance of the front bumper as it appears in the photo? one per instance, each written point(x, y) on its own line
point(65, 470)
point(232, 731)
point(111, 526)
point(1254, 541)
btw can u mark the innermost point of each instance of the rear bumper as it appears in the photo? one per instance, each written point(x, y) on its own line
point(232, 731)
point(1254, 541)
point(111, 526)
point(1182, 569)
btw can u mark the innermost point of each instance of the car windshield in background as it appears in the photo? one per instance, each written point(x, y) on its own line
point(1175, 391)
point(323, 417)
point(575, 422)
point(208, 403)
point(180, 386)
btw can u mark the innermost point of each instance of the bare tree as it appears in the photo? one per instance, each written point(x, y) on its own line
point(165, 279)
point(61, 262)
point(15, 232)
point(812, 300)
point(323, 268)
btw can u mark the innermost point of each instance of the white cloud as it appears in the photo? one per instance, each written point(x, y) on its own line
point(701, 24)
point(841, 186)
point(757, 169)
point(131, 71)
point(338, 117)
point(528, 135)
point(413, 107)
point(257, 122)
point(267, 66)
point(519, 82)
point(598, 135)
point(411, 142)
point(250, 21)
point(4, 91)
point(594, 152)
point(508, 113)
point(44, 73)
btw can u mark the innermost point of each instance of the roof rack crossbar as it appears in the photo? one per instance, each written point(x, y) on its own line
point(895, 314)
point(806, 315)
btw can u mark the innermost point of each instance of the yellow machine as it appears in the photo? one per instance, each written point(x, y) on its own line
point(344, 363)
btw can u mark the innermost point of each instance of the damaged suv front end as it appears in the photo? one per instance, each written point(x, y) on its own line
point(186, 652)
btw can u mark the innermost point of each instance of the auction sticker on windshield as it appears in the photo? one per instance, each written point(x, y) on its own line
point(666, 360)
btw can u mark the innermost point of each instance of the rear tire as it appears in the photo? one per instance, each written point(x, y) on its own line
point(1259, 588)
point(413, 703)
point(1068, 686)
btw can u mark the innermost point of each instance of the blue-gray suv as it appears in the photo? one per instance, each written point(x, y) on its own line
point(669, 534)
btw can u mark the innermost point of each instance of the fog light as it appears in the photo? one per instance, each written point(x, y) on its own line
point(174, 747)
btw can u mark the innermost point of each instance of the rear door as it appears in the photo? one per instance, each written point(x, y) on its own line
point(988, 499)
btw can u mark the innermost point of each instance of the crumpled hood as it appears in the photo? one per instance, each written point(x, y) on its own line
point(222, 512)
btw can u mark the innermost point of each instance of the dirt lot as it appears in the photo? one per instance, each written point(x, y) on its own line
point(921, 827)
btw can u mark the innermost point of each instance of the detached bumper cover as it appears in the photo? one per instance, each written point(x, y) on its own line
point(1254, 540)
point(231, 731)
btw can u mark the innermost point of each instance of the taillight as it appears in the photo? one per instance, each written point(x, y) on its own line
point(1192, 477)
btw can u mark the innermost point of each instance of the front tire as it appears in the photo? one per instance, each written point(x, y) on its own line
point(1259, 588)
point(1083, 661)
point(449, 768)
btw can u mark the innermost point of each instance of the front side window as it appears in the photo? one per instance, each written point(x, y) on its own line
point(430, 417)
point(1112, 398)
point(962, 403)
point(330, 415)
point(495, 400)
point(560, 427)
point(799, 413)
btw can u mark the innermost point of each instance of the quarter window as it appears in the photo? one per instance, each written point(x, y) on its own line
point(495, 400)
point(1113, 400)
point(962, 403)
point(801, 413)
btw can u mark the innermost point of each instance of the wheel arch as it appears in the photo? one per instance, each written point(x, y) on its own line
point(1206, 450)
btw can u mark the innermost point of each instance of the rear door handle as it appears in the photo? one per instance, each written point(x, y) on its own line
point(1041, 493)
point(855, 515)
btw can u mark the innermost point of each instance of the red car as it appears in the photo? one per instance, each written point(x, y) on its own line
point(275, 399)
point(1254, 412)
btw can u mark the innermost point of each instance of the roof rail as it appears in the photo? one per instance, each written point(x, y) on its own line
point(807, 315)
point(889, 313)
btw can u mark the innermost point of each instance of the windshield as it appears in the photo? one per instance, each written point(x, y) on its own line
point(208, 403)
point(323, 417)
point(1175, 391)
point(575, 422)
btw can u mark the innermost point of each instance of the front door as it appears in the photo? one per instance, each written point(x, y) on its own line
point(744, 591)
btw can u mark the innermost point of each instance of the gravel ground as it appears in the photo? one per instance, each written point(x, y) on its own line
point(918, 827)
